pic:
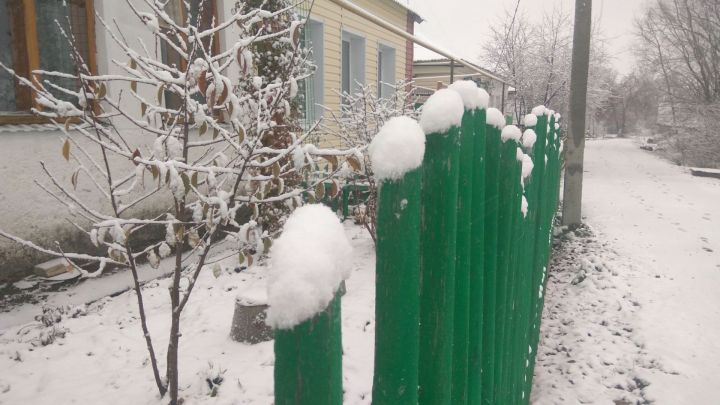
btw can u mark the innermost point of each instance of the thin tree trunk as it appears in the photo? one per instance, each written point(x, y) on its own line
point(575, 144)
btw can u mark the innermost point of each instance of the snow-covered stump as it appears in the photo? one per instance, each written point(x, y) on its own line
point(477, 259)
point(396, 154)
point(468, 91)
point(306, 269)
point(495, 122)
point(509, 203)
point(248, 323)
point(440, 119)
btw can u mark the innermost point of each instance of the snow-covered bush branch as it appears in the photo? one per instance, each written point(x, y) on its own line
point(362, 114)
point(219, 158)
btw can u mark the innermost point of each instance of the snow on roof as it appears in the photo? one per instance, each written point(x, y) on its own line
point(446, 62)
point(417, 15)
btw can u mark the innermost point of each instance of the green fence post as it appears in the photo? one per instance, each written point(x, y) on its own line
point(477, 260)
point(308, 360)
point(541, 181)
point(509, 204)
point(440, 118)
point(495, 123)
point(397, 269)
point(471, 97)
point(304, 307)
point(530, 223)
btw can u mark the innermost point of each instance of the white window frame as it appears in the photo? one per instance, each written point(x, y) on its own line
point(357, 59)
point(386, 67)
point(317, 43)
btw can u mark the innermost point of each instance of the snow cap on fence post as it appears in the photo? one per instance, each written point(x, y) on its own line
point(539, 110)
point(307, 264)
point(398, 148)
point(442, 111)
point(527, 166)
point(530, 120)
point(468, 91)
point(495, 118)
point(484, 98)
point(528, 138)
point(510, 132)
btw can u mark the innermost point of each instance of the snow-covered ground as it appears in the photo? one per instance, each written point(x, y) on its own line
point(632, 313)
point(102, 358)
point(644, 324)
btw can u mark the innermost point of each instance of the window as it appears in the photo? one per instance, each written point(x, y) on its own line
point(312, 88)
point(353, 62)
point(386, 71)
point(30, 40)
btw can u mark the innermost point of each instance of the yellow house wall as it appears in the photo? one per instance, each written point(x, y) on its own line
point(336, 19)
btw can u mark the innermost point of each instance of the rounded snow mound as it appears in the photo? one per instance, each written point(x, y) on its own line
point(398, 148)
point(527, 166)
point(307, 264)
point(484, 98)
point(530, 120)
point(468, 91)
point(539, 110)
point(511, 132)
point(528, 138)
point(443, 110)
point(495, 118)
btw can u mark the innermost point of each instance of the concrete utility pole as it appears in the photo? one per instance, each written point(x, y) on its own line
point(575, 144)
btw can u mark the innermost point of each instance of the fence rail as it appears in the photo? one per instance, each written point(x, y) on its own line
point(463, 243)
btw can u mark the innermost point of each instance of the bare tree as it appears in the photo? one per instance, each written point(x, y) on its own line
point(212, 155)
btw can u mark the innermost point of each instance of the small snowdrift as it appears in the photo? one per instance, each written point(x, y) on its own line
point(588, 351)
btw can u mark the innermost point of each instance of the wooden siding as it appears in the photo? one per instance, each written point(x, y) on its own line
point(336, 19)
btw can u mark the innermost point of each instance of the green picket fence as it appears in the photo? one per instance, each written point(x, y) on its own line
point(463, 244)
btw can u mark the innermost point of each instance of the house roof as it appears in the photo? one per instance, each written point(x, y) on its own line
point(418, 18)
point(446, 62)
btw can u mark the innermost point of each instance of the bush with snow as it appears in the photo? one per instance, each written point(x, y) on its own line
point(362, 115)
point(222, 158)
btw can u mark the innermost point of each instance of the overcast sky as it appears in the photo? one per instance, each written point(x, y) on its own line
point(461, 26)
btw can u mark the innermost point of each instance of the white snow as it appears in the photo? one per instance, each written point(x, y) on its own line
point(524, 210)
point(443, 110)
point(398, 148)
point(307, 264)
point(468, 91)
point(528, 138)
point(527, 166)
point(484, 98)
point(103, 358)
point(530, 120)
point(644, 325)
point(539, 110)
point(495, 118)
point(511, 132)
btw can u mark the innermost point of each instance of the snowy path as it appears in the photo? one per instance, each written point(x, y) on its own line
point(645, 325)
point(668, 223)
